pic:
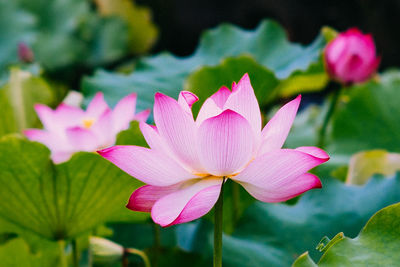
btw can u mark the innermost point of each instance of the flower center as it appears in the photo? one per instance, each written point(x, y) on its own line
point(87, 123)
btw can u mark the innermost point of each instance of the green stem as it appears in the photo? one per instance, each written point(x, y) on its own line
point(328, 115)
point(141, 254)
point(157, 244)
point(125, 260)
point(218, 228)
point(235, 201)
point(75, 253)
point(62, 256)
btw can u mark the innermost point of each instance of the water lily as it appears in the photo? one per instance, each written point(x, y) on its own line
point(69, 129)
point(351, 57)
point(188, 159)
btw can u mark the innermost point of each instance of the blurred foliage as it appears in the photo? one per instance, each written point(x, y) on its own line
point(367, 163)
point(15, 252)
point(18, 96)
point(58, 201)
point(226, 52)
point(376, 245)
point(65, 34)
point(366, 118)
point(131, 136)
point(142, 33)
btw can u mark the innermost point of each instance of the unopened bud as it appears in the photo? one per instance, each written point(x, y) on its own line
point(351, 57)
point(104, 250)
point(25, 54)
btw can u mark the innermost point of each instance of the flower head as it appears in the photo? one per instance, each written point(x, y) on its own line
point(188, 159)
point(25, 53)
point(351, 57)
point(69, 129)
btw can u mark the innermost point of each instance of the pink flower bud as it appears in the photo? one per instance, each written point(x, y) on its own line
point(351, 57)
point(25, 54)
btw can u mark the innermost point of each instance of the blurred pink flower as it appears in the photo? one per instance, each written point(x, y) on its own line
point(25, 53)
point(351, 57)
point(187, 159)
point(69, 129)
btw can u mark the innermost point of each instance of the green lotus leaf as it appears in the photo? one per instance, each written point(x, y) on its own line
point(59, 201)
point(376, 245)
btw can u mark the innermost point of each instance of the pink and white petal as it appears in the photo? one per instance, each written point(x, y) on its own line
point(274, 134)
point(285, 190)
point(199, 205)
point(60, 149)
point(186, 100)
point(61, 156)
point(49, 139)
point(82, 139)
point(314, 151)
point(278, 166)
point(243, 101)
point(123, 112)
point(178, 129)
point(68, 116)
point(142, 116)
point(234, 86)
point(149, 166)
point(187, 204)
point(143, 198)
point(208, 109)
point(38, 135)
point(154, 140)
point(46, 116)
point(225, 143)
point(103, 129)
point(368, 70)
point(97, 106)
point(336, 49)
point(221, 96)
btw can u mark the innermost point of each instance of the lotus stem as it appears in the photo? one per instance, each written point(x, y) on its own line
point(218, 228)
point(328, 116)
point(141, 254)
point(235, 201)
point(75, 253)
point(62, 256)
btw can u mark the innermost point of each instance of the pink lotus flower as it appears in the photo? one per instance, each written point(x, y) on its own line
point(351, 57)
point(69, 129)
point(187, 159)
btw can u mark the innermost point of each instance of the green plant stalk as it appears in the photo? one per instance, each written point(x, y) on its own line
point(125, 260)
point(141, 254)
point(157, 244)
point(218, 227)
point(235, 201)
point(62, 256)
point(75, 253)
point(328, 116)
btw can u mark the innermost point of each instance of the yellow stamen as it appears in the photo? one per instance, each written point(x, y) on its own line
point(87, 123)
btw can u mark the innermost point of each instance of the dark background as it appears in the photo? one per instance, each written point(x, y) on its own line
point(182, 21)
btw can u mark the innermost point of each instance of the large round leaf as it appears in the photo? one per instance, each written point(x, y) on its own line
point(378, 244)
point(58, 201)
